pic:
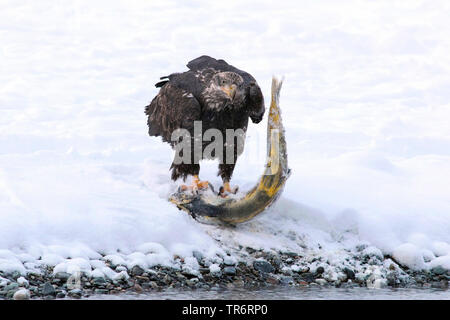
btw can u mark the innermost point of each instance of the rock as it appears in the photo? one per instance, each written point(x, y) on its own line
point(101, 291)
point(272, 280)
point(64, 276)
point(291, 254)
point(10, 294)
point(15, 275)
point(11, 286)
point(121, 269)
point(304, 270)
point(229, 261)
point(321, 282)
point(263, 266)
point(192, 282)
point(154, 285)
point(440, 284)
point(231, 271)
point(287, 280)
point(138, 288)
point(349, 273)
point(121, 276)
point(391, 279)
point(438, 270)
point(250, 250)
point(143, 279)
point(198, 255)
point(21, 281)
point(276, 262)
point(307, 276)
point(137, 271)
point(320, 270)
point(75, 293)
point(61, 295)
point(99, 282)
point(48, 290)
point(22, 294)
point(203, 270)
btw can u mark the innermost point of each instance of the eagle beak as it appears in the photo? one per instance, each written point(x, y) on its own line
point(230, 90)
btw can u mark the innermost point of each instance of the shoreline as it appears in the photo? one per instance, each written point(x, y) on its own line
point(260, 270)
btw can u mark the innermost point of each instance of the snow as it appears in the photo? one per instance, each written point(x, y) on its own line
point(443, 262)
point(409, 255)
point(365, 105)
point(214, 268)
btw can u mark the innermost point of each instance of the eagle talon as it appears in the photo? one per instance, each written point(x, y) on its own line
point(196, 186)
point(225, 190)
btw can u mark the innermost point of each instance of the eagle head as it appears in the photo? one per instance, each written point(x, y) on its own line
point(229, 82)
point(255, 102)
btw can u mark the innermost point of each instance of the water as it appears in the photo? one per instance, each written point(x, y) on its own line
point(290, 294)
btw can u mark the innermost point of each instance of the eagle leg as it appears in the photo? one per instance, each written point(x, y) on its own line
point(196, 185)
point(226, 189)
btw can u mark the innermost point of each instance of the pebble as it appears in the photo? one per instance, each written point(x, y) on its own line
point(307, 276)
point(137, 271)
point(101, 291)
point(438, 270)
point(287, 280)
point(64, 276)
point(320, 270)
point(349, 273)
point(121, 269)
point(22, 294)
point(286, 268)
point(272, 280)
point(229, 261)
point(48, 289)
point(198, 255)
point(138, 288)
point(11, 286)
point(321, 282)
point(75, 293)
point(21, 281)
point(263, 266)
point(231, 271)
point(99, 281)
point(290, 254)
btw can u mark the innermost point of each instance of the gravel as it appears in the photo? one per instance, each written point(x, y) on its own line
point(246, 268)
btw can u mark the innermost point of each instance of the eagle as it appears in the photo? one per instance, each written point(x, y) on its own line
point(214, 95)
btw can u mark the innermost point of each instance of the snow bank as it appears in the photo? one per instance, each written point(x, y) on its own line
point(365, 105)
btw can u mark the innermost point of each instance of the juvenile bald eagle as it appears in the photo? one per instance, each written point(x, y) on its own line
point(217, 94)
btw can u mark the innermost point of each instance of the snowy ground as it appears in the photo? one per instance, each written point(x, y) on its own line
point(365, 106)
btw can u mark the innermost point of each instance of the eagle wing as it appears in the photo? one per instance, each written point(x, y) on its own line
point(172, 108)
